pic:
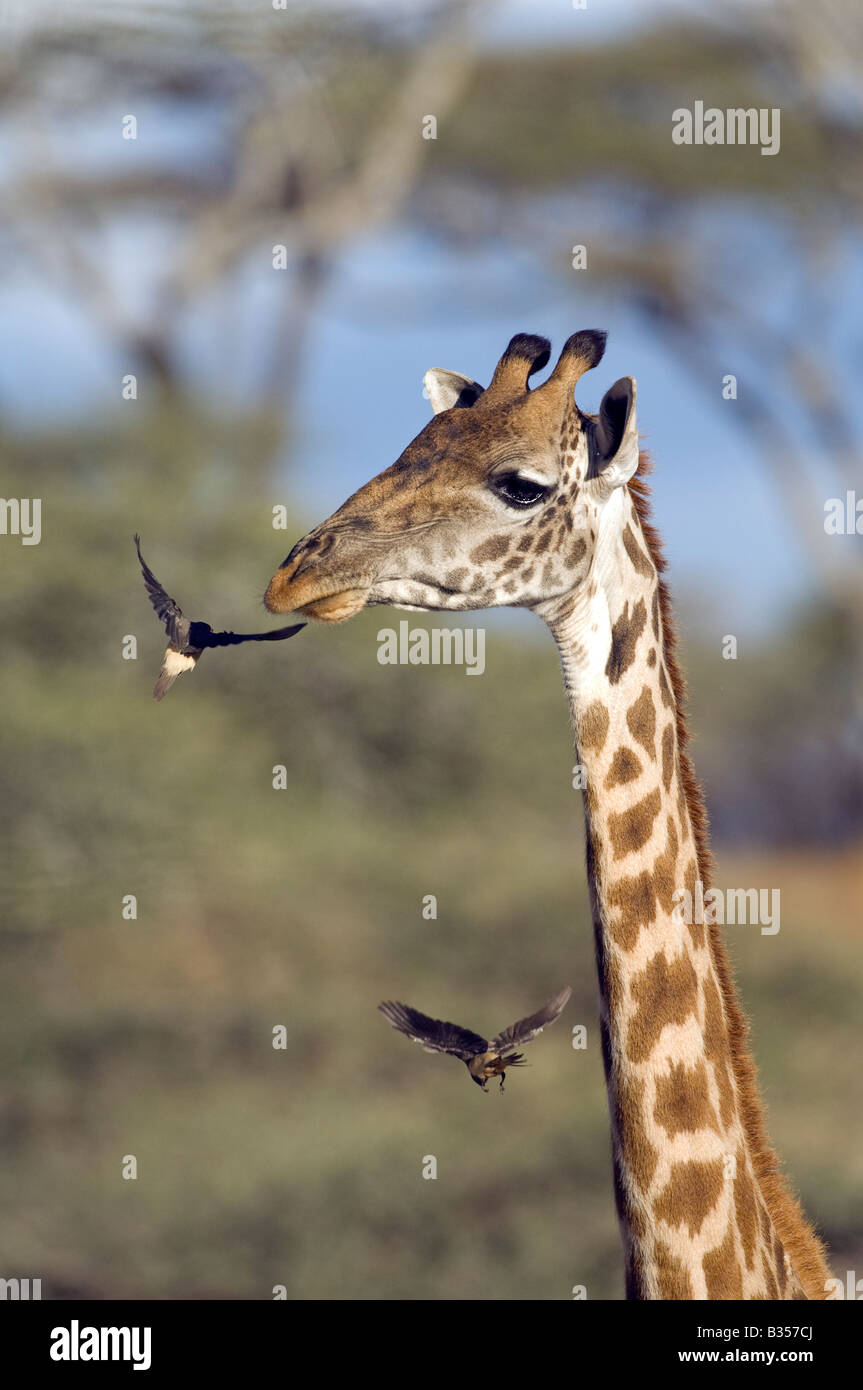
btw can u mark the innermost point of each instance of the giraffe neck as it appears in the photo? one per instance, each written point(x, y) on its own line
point(692, 1188)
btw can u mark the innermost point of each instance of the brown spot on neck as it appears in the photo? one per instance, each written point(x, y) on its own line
point(672, 1277)
point(683, 1100)
point(746, 1208)
point(665, 880)
point(722, 1273)
point(691, 1193)
point(668, 756)
point(690, 878)
point(593, 727)
point(641, 722)
point(635, 552)
point(779, 1264)
point(625, 767)
point(716, 1050)
point(630, 830)
point(638, 1155)
point(665, 689)
point(769, 1279)
point(624, 640)
point(636, 900)
point(665, 992)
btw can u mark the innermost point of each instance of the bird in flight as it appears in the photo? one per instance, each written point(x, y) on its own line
point(484, 1059)
point(188, 640)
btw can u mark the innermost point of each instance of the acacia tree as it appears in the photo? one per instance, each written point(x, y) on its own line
point(309, 136)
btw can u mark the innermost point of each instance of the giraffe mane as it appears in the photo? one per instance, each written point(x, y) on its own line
point(802, 1244)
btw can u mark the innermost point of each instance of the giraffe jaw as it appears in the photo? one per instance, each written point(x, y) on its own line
point(420, 596)
point(325, 601)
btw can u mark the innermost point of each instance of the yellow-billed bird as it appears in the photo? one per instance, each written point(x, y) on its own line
point(484, 1059)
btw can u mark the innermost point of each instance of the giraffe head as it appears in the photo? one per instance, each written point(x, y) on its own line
point(500, 500)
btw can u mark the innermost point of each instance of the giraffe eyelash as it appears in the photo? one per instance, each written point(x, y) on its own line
point(519, 491)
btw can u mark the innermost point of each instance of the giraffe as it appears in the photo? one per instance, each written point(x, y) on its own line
point(514, 496)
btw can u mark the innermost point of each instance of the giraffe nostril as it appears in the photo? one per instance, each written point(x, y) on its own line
point(305, 549)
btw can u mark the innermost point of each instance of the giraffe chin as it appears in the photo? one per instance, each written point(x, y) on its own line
point(335, 608)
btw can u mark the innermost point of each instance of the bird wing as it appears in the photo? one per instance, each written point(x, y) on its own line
point(233, 639)
point(167, 610)
point(527, 1028)
point(433, 1034)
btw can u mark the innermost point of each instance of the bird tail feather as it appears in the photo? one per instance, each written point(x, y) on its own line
point(174, 664)
point(164, 683)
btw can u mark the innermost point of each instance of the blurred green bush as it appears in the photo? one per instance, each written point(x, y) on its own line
point(303, 907)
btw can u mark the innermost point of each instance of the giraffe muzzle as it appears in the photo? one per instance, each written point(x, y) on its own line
point(299, 586)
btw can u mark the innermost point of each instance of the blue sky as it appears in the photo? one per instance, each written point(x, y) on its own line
point(397, 306)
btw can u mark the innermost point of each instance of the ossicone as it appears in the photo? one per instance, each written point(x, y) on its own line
point(525, 354)
point(580, 352)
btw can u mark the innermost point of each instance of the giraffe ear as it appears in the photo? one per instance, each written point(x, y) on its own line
point(449, 389)
point(613, 438)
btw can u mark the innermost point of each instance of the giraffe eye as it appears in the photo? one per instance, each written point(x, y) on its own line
point(519, 492)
